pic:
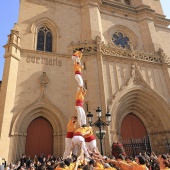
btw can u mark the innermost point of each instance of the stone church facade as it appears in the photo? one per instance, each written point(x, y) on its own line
point(127, 69)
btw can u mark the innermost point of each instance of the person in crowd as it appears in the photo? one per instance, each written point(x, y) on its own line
point(95, 161)
point(140, 160)
point(79, 162)
point(163, 162)
point(86, 167)
point(71, 127)
point(44, 160)
point(29, 162)
point(40, 158)
point(23, 159)
point(78, 55)
point(38, 164)
point(18, 165)
point(79, 106)
point(24, 167)
point(48, 165)
point(35, 161)
point(70, 163)
point(98, 164)
point(78, 139)
point(90, 141)
point(77, 70)
point(141, 164)
point(130, 160)
point(164, 165)
point(61, 165)
point(11, 166)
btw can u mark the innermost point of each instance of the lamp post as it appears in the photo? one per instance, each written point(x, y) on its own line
point(100, 123)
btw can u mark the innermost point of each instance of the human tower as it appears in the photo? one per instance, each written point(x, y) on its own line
point(79, 135)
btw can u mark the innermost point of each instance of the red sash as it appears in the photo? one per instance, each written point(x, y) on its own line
point(69, 134)
point(89, 139)
point(79, 103)
point(78, 72)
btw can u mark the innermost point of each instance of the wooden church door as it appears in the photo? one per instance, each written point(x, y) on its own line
point(132, 127)
point(39, 138)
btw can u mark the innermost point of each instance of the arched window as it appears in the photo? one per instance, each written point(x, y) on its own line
point(120, 39)
point(44, 39)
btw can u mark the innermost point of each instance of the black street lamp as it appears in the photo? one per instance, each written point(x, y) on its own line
point(100, 123)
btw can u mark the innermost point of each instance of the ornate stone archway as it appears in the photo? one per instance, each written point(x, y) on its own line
point(145, 104)
point(40, 108)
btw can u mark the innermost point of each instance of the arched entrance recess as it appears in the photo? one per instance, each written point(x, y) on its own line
point(21, 123)
point(132, 127)
point(147, 105)
point(39, 138)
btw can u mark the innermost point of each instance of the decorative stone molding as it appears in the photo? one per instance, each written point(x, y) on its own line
point(117, 51)
point(135, 81)
point(89, 46)
point(160, 133)
point(44, 80)
point(136, 78)
point(163, 56)
point(18, 134)
point(111, 50)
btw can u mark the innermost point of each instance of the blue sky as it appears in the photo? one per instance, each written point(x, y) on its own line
point(9, 15)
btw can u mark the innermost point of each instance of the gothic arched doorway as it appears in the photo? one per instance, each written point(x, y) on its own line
point(39, 138)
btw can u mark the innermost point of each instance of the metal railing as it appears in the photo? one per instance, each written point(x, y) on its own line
point(135, 146)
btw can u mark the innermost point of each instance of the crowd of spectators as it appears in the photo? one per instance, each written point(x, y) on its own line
point(94, 162)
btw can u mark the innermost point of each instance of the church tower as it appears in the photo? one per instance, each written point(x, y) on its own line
point(127, 72)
